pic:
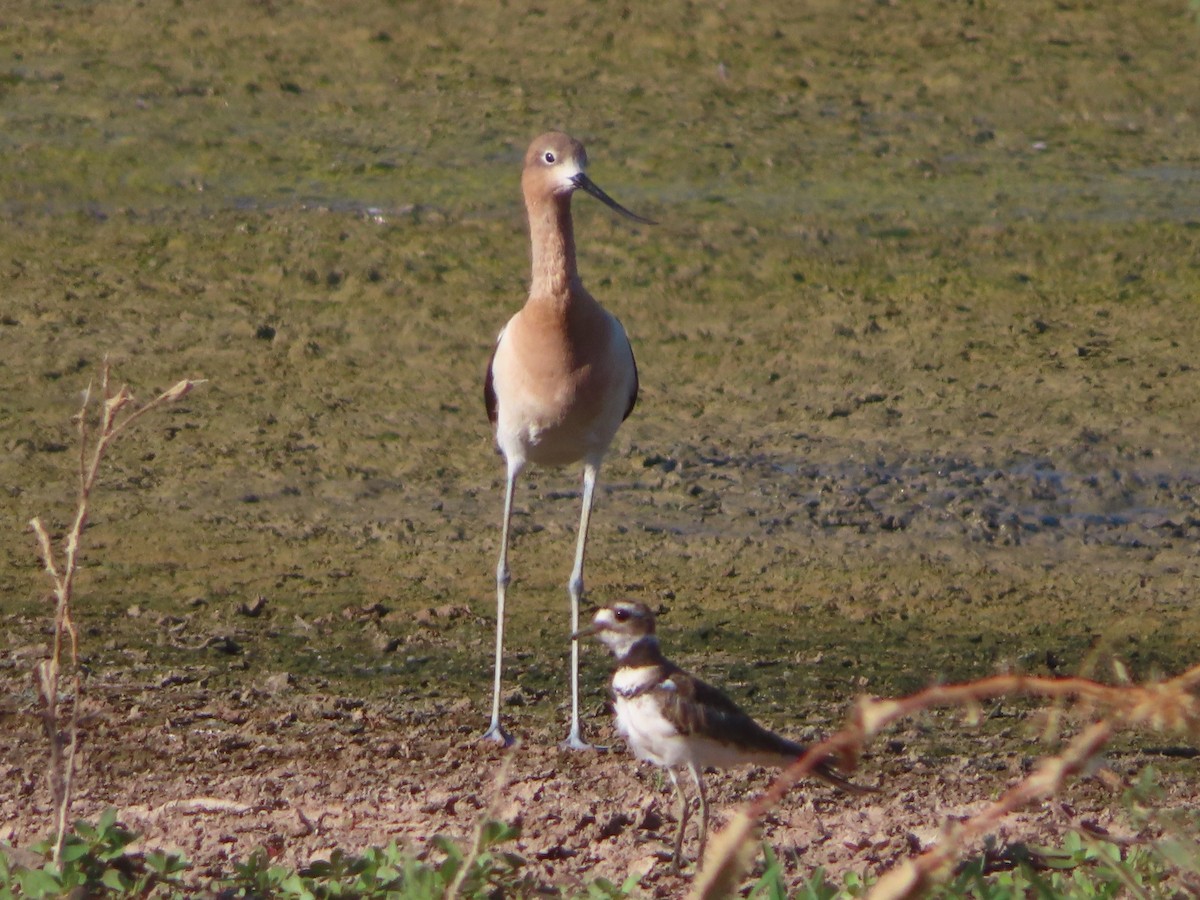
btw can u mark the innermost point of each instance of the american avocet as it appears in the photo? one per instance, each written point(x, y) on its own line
point(562, 377)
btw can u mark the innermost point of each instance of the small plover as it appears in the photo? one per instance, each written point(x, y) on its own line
point(673, 719)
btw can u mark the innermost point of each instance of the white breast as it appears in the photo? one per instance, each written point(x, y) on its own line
point(558, 404)
point(649, 735)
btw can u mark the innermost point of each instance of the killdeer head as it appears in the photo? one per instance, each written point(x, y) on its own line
point(621, 626)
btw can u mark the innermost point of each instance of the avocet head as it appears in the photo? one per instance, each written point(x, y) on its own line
point(556, 166)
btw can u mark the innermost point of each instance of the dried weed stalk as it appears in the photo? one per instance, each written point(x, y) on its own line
point(1171, 705)
point(491, 813)
point(59, 707)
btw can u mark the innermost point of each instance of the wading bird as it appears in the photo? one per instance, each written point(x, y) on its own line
point(675, 720)
point(562, 377)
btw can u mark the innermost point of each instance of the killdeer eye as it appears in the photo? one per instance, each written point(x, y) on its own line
point(620, 614)
point(548, 156)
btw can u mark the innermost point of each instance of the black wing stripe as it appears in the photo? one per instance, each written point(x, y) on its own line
point(633, 393)
point(489, 389)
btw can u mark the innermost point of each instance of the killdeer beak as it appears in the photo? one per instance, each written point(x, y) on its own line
point(585, 632)
point(581, 180)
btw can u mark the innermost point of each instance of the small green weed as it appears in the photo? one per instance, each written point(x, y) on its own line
point(389, 872)
point(1082, 868)
point(603, 889)
point(773, 886)
point(95, 862)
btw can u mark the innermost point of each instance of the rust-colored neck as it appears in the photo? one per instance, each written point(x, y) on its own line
point(552, 237)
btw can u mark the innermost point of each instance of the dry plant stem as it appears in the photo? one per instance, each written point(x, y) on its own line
point(914, 876)
point(62, 725)
point(499, 783)
point(60, 771)
point(729, 854)
point(1168, 705)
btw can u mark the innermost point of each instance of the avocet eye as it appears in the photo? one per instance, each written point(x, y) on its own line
point(548, 156)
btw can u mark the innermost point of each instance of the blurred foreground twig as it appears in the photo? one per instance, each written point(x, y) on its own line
point(1170, 706)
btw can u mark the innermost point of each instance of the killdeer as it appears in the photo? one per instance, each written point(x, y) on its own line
point(562, 376)
point(673, 719)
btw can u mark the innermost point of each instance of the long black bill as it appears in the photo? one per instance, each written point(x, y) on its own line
point(582, 181)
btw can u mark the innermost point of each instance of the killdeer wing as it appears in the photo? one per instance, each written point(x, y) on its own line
point(698, 709)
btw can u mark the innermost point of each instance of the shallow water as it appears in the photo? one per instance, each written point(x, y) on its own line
point(1031, 502)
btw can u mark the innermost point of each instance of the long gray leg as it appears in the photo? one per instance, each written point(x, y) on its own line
point(496, 731)
point(699, 779)
point(575, 739)
point(685, 809)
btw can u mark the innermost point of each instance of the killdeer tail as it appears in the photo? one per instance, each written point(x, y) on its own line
point(827, 773)
point(826, 769)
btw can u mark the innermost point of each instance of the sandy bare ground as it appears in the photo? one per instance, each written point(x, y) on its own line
point(216, 776)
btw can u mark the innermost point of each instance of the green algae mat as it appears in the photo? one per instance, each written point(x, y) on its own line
point(917, 339)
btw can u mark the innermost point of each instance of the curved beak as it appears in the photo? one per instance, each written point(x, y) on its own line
point(582, 181)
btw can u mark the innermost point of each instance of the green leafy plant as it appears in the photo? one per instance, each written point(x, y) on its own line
point(388, 872)
point(771, 886)
point(256, 877)
point(1081, 868)
point(603, 889)
point(486, 866)
point(95, 861)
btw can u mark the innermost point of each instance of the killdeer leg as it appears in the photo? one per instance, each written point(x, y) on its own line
point(575, 739)
point(685, 809)
point(699, 779)
point(496, 731)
